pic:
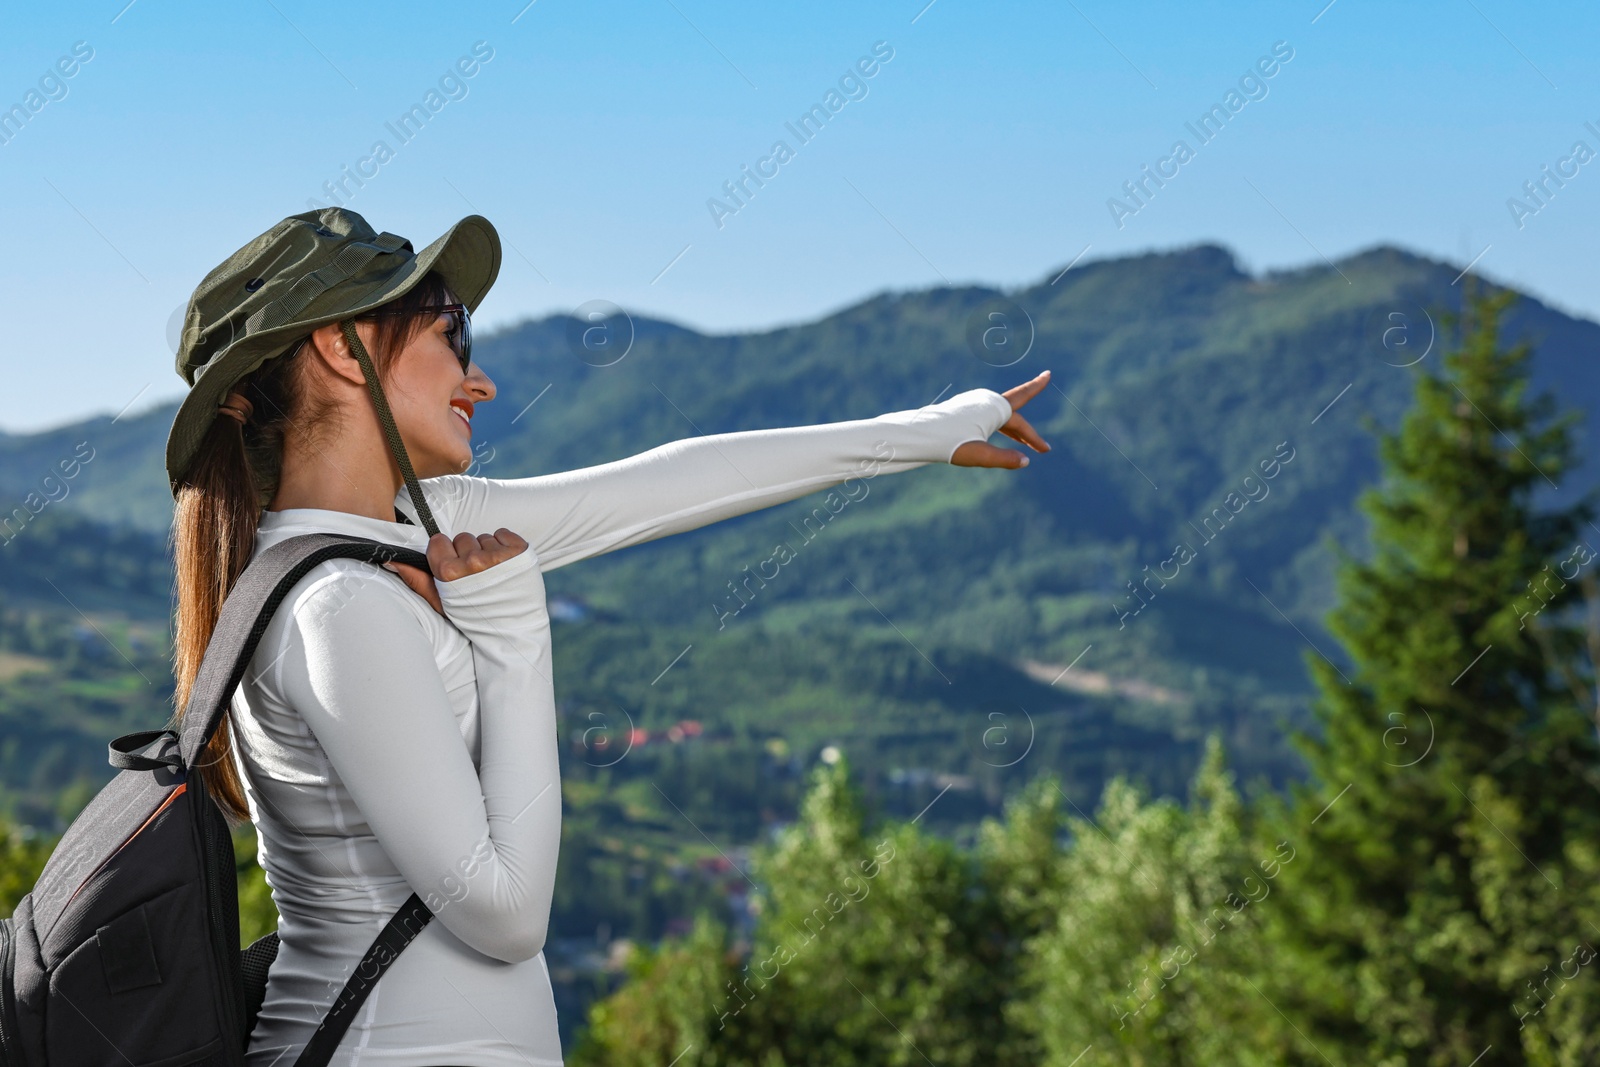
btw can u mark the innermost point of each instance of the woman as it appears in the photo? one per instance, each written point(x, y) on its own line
point(396, 733)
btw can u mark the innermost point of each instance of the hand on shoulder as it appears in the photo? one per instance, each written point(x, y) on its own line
point(451, 559)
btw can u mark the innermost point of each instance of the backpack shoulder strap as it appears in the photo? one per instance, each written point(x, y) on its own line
point(248, 609)
point(400, 931)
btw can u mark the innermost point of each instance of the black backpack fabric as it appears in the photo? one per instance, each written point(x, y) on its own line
point(126, 952)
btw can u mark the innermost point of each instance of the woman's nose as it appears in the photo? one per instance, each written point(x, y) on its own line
point(479, 384)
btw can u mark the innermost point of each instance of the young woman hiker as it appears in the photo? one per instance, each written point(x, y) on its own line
point(396, 731)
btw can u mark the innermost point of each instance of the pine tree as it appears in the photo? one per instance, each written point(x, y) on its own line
point(1448, 843)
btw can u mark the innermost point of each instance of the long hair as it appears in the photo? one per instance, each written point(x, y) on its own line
point(219, 502)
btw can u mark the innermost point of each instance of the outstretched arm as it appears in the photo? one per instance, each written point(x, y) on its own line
point(686, 484)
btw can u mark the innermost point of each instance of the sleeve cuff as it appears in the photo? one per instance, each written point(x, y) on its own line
point(985, 412)
point(481, 589)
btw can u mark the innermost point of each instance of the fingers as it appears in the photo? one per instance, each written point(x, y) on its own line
point(442, 556)
point(502, 543)
point(983, 454)
point(1021, 394)
point(500, 546)
point(1019, 429)
point(465, 554)
point(420, 583)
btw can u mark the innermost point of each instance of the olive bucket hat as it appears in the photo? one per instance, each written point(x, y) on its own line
point(308, 271)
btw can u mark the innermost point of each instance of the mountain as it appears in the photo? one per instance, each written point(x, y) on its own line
point(930, 625)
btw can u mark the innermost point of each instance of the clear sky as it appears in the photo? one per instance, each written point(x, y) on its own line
point(985, 151)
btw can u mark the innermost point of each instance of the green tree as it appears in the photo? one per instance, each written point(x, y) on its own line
point(258, 915)
point(880, 947)
point(22, 857)
point(662, 1013)
point(1447, 845)
point(1154, 933)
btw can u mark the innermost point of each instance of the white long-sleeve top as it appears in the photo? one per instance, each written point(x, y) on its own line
point(386, 749)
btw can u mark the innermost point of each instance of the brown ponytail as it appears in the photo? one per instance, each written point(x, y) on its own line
point(219, 503)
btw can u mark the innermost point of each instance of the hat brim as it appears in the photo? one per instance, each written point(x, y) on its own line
point(467, 256)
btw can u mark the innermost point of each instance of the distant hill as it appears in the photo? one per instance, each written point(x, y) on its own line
point(1178, 375)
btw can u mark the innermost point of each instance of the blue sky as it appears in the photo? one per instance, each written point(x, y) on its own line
point(984, 151)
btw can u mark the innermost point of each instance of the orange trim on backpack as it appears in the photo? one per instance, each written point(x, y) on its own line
point(142, 827)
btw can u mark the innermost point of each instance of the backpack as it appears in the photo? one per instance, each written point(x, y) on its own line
point(127, 952)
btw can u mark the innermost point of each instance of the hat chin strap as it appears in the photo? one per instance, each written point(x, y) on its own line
point(396, 447)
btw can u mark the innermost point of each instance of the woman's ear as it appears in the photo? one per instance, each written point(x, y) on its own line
point(333, 352)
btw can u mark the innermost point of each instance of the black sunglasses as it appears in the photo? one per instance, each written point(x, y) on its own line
point(460, 332)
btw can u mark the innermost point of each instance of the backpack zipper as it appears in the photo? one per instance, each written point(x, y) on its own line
point(182, 788)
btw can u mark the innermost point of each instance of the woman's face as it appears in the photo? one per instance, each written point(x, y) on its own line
point(433, 401)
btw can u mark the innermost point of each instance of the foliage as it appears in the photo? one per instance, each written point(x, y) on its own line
point(258, 916)
point(874, 946)
point(1156, 931)
point(1450, 838)
point(22, 857)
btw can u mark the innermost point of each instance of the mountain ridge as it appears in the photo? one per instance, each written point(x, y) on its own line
point(1176, 374)
point(1199, 250)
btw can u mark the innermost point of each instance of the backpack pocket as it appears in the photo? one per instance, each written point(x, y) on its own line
point(140, 991)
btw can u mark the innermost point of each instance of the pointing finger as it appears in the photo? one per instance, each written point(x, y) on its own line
point(1021, 394)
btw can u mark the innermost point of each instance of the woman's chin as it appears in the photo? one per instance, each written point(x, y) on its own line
point(454, 460)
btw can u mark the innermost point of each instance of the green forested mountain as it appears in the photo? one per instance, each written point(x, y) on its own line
point(1210, 439)
point(1424, 896)
point(1176, 375)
